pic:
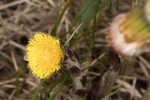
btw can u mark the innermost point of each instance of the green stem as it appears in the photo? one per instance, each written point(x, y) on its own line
point(17, 84)
point(79, 15)
point(76, 30)
point(58, 20)
point(101, 9)
point(55, 93)
point(37, 90)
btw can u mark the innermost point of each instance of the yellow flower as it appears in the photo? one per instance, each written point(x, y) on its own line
point(44, 55)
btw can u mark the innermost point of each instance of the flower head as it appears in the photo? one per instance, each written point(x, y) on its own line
point(117, 39)
point(44, 55)
point(129, 33)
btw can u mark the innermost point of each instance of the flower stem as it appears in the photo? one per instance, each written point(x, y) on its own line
point(37, 90)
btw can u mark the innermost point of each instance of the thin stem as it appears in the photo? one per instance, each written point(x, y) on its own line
point(67, 42)
point(55, 93)
point(101, 9)
point(37, 90)
point(58, 20)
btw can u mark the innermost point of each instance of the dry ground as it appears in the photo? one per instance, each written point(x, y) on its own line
point(102, 73)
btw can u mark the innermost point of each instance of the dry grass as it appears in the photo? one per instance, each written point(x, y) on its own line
point(91, 71)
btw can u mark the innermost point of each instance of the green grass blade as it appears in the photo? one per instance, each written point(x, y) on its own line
point(91, 11)
point(37, 90)
point(75, 31)
point(59, 18)
point(81, 12)
point(55, 93)
point(17, 84)
point(100, 10)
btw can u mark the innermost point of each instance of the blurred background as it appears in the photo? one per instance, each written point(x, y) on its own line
point(91, 70)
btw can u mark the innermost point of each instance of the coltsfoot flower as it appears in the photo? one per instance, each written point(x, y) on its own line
point(44, 55)
point(129, 32)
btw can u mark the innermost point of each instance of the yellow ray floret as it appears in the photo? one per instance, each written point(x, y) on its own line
point(44, 55)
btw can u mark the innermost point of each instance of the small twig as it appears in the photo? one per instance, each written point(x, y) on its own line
point(28, 81)
point(8, 81)
point(144, 70)
point(67, 42)
point(17, 45)
point(133, 91)
point(2, 7)
point(110, 94)
point(31, 83)
point(61, 22)
point(93, 73)
point(31, 3)
point(9, 86)
point(93, 62)
point(144, 62)
point(14, 60)
point(51, 2)
point(12, 94)
point(26, 91)
point(127, 77)
point(133, 85)
point(5, 55)
point(3, 45)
